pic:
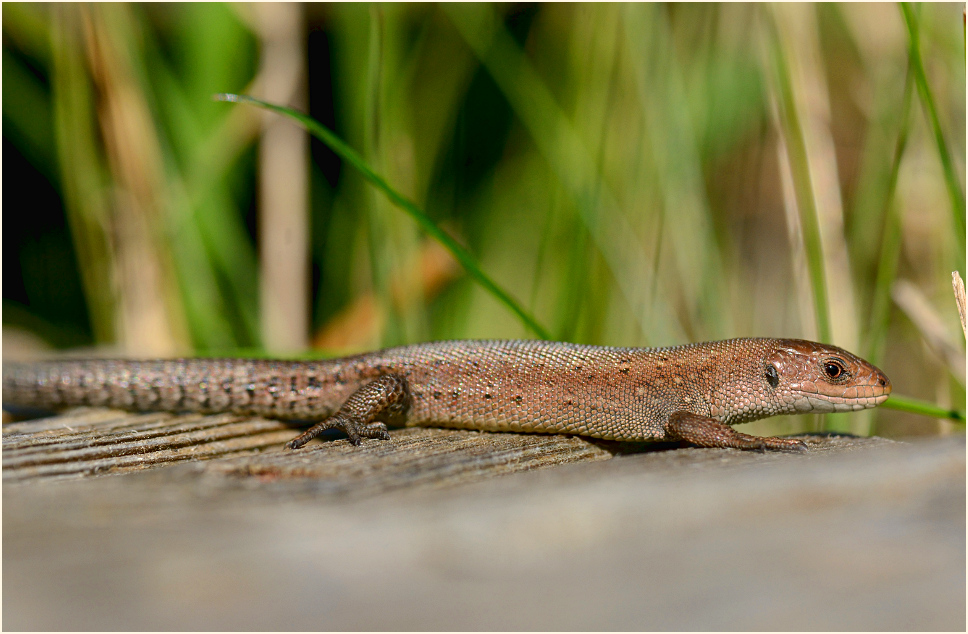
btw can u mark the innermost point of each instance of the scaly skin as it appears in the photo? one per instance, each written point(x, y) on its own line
point(692, 392)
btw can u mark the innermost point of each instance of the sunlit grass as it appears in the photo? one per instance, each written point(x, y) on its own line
point(951, 180)
point(351, 156)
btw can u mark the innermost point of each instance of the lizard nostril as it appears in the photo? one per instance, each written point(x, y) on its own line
point(882, 382)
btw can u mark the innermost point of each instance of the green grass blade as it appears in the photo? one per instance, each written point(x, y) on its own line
point(560, 142)
point(349, 155)
point(915, 406)
point(891, 240)
point(27, 113)
point(931, 111)
point(792, 130)
point(82, 170)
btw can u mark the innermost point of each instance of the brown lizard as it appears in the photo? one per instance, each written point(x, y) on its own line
point(692, 392)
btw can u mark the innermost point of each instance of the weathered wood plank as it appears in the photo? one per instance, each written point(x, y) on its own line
point(98, 442)
point(856, 534)
point(88, 442)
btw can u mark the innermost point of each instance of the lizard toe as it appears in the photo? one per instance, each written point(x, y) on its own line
point(785, 444)
point(377, 431)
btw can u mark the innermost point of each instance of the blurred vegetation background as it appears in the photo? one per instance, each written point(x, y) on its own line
point(631, 174)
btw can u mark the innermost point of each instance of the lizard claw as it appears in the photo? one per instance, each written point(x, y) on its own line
point(297, 442)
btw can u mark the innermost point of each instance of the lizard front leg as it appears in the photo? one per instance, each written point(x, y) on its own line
point(364, 414)
point(704, 431)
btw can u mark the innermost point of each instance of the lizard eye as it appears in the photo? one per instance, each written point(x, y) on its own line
point(771, 376)
point(835, 370)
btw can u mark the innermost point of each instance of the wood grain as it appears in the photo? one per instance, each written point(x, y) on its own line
point(90, 442)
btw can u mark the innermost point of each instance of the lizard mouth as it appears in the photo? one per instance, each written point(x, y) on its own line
point(825, 404)
point(850, 398)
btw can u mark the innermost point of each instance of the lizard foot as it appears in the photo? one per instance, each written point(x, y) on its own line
point(364, 414)
point(708, 432)
point(354, 430)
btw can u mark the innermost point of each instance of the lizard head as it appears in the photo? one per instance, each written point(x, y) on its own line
point(814, 377)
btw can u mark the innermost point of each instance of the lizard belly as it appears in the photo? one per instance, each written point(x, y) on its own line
point(520, 404)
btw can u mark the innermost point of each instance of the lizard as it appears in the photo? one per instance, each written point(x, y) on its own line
point(692, 393)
